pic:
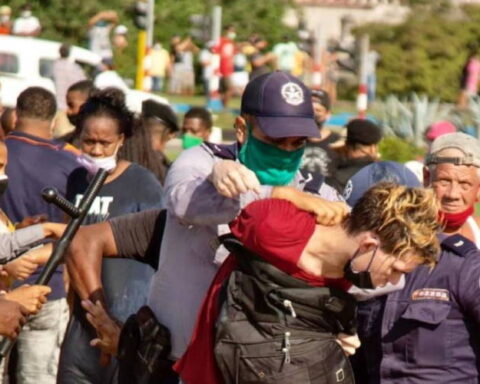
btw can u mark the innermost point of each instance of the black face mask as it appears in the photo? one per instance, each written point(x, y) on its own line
point(319, 123)
point(73, 119)
point(359, 279)
point(3, 184)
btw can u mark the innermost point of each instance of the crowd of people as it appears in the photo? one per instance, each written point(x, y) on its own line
point(226, 65)
point(293, 254)
point(223, 66)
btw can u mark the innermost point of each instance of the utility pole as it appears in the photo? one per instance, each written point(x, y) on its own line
point(362, 98)
point(214, 101)
point(150, 23)
point(141, 20)
point(141, 48)
point(216, 23)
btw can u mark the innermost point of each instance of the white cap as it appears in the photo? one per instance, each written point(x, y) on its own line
point(120, 30)
point(468, 145)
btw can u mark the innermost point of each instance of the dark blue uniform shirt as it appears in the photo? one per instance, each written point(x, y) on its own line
point(428, 332)
point(33, 164)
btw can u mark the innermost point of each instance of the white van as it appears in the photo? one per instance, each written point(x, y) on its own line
point(27, 61)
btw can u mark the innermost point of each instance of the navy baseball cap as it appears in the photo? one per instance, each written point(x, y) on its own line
point(375, 173)
point(282, 105)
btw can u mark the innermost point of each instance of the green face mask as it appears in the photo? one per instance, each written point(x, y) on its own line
point(272, 165)
point(189, 141)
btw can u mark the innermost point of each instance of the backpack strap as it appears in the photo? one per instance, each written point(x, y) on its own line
point(459, 245)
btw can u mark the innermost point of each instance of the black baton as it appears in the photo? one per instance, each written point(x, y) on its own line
point(77, 214)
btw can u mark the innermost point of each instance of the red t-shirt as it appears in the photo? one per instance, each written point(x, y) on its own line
point(5, 30)
point(226, 50)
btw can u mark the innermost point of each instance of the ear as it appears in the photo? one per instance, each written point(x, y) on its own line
point(14, 118)
point(206, 134)
point(368, 241)
point(122, 140)
point(426, 177)
point(53, 125)
point(240, 129)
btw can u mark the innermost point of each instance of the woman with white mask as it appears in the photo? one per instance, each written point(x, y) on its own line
point(105, 124)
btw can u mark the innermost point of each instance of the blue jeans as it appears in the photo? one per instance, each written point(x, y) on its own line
point(157, 83)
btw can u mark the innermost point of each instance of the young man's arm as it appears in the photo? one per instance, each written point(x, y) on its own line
point(136, 236)
point(326, 212)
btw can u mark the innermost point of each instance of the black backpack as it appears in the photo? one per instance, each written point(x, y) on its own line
point(274, 328)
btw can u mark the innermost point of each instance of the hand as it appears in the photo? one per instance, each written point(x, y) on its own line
point(108, 331)
point(31, 297)
point(53, 229)
point(22, 267)
point(28, 221)
point(12, 317)
point(327, 212)
point(231, 178)
point(349, 343)
point(40, 255)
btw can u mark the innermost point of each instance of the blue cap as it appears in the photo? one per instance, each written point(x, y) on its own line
point(282, 105)
point(375, 173)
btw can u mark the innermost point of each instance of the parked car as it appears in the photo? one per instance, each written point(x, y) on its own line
point(26, 62)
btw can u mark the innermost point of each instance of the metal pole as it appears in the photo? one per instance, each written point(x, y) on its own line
point(141, 49)
point(362, 99)
point(216, 23)
point(150, 22)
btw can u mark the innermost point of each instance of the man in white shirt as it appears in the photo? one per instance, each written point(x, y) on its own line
point(26, 24)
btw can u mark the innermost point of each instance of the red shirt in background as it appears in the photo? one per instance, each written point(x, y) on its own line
point(5, 29)
point(226, 50)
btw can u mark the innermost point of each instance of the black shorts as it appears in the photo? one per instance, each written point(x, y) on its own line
point(225, 83)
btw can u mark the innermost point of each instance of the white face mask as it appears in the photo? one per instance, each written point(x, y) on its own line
point(4, 18)
point(231, 35)
point(26, 14)
point(108, 163)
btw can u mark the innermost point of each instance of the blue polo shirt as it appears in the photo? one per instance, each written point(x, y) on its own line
point(33, 164)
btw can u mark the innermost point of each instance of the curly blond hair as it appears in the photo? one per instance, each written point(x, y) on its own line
point(405, 220)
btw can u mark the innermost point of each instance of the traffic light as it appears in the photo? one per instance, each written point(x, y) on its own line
point(140, 14)
point(200, 29)
point(348, 57)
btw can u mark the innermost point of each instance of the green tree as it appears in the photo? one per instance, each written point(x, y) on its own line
point(426, 53)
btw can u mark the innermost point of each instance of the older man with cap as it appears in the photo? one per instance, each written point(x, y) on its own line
point(426, 332)
point(361, 149)
point(205, 189)
point(452, 170)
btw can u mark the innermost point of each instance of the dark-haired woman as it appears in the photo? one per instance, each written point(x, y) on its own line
point(105, 124)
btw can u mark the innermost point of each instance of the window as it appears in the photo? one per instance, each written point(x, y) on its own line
point(46, 68)
point(8, 63)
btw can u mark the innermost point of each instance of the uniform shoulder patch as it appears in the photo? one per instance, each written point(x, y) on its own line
point(459, 245)
point(431, 294)
point(313, 182)
point(223, 151)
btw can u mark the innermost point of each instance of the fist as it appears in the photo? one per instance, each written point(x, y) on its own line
point(349, 343)
point(231, 179)
point(12, 318)
point(31, 298)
